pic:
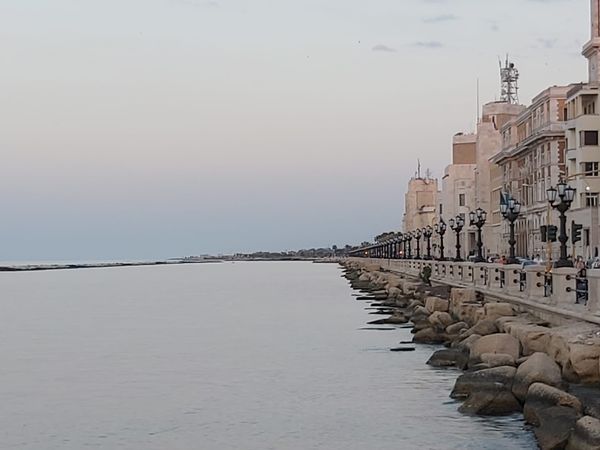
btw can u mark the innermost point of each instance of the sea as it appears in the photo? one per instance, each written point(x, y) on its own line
point(229, 356)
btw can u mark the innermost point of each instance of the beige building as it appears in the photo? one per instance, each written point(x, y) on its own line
point(583, 151)
point(488, 177)
point(420, 204)
point(531, 160)
point(458, 191)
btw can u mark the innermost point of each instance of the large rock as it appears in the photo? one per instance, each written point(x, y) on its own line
point(541, 396)
point(494, 379)
point(440, 320)
point(494, 311)
point(585, 362)
point(429, 336)
point(466, 344)
point(420, 313)
point(585, 435)
point(394, 292)
point(436, 304)
point(483, 328)
point(490, 403)
point(458, 296)
point(448, 358)
point(497, 359)
point(456, 328)
point(539, 367)
point(495, 343)
point(554, 428)
point(487, 391)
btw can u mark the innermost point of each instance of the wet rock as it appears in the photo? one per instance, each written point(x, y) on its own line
point(448, 358)
point(539, 367)
point(541, 396)
point(585, 362)
point(495, 343)
point(402, 349)
point(487, 391)
point(554, 428)
point(585, 435)
point(589, 396)
point(494, 379)
point(429, 336)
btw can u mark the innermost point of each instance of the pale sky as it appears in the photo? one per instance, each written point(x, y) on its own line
point(158, 128)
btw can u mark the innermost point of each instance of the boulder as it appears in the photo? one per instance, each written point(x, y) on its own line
point(436, 304)
point(466, 344)
point(494, 379)
point(448, 358)
point(585, 435)
point(483, 328)
point(429, 336)
point(495, 343)
point(469, 312)
point(541, 396)
point(490, 403)
point(585, 362)
point(494, 311)
point(440, 320)
point(487, 391)
point(458, 296)
point(456, 328)
point(420, 313)
point(539, 367)
point(497, 359)
point(555, 425)
point(394, 292)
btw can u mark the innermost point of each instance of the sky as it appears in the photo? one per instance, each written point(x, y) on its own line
point(135, 129)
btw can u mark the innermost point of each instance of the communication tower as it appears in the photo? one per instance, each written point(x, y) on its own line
point(509, 78)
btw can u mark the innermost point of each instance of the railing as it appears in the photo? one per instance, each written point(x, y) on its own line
point(558, 289)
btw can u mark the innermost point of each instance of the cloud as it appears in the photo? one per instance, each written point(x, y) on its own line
point(198, 3)
point(440, 18)
point(383, 48)
point(429, 44)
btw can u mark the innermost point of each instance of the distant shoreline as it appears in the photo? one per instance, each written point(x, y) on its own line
point(44, 267)
point(40, 267)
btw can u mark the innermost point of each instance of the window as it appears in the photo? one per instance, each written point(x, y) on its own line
point(591, 199)
point(588, 137)
point(461, 199)
point(590, 169)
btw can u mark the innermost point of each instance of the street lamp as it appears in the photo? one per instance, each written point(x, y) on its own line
point(409, 239)
point(418, 235)
point(510, 209)
point(427, 232)
point(565, 194)
point(440, 228)
point(457, 225)
point(477, 218)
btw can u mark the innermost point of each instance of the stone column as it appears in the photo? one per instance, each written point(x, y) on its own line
point(563, 287)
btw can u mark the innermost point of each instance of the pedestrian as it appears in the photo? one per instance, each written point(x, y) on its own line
point(503, 260)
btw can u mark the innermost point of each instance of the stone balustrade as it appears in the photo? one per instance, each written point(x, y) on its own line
point(552, 293)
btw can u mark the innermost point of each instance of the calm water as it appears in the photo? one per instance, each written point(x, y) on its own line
point(248, 356)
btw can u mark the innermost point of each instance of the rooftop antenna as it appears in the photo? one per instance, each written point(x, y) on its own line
point(418, 168)
point(477, 122)
point(509, 79)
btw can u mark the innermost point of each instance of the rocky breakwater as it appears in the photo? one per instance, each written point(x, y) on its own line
point(512, 362)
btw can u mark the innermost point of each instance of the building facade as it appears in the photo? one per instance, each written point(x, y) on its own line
point(420, 204)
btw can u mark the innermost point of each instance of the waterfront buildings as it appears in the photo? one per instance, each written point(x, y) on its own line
point(420, 203)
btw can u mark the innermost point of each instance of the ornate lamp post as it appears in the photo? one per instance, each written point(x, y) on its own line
point(457, 225)
point(565, 194)
point(440, 228)
point(409, 239)
point(417, 234)
point(427, 232)
point(477, 218)
point(510, 209)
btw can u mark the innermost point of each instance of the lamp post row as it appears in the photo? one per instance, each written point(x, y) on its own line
point(559, 198)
